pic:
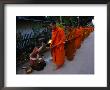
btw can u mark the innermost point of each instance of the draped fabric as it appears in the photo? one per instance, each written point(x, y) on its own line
point(58, 52)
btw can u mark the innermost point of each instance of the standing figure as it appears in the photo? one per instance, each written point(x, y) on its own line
point(57, 45)
point(70, 46)
point(78, 38)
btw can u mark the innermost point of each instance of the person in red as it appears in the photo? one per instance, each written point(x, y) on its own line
point(70, 49)
point(57, 45)
point(78, 37)
point(35, 55)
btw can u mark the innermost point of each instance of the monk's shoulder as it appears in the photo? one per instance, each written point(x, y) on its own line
point(60, 29)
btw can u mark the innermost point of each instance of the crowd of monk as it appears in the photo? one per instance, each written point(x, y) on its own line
point(65, 45)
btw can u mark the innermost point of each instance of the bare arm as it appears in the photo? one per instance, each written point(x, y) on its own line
point(41, 47)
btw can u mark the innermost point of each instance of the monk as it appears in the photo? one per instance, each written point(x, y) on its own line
point(57, 45)
point(78, 38)
point(91, 28)
point(82, 33)
point(70, 49)
point(86, 33)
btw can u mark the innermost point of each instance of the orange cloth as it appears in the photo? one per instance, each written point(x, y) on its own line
point(58, 52)
point(91, 29)
point(70, 49)
point(83, 34)
point(78, 38)
point(87, 32)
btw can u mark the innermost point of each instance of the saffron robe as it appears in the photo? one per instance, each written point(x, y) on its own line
point(78, 38)
point(58, 52)
point(70, 49)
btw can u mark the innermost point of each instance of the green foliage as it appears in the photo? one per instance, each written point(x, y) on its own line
point(60, 25)
point(70, 19)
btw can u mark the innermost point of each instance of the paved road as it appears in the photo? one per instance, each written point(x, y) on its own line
point(83, 62)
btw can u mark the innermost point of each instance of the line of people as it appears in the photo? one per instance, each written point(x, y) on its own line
point(62, 45)
point(66, 45)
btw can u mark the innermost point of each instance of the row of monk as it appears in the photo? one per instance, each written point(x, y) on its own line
point(62, 45)
point(66, 44)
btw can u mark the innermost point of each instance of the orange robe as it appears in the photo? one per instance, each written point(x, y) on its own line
point(78, 38)
point(86, 32)
point(91, 29)
point(70, 49)
point(81, 33)
point(58, 52)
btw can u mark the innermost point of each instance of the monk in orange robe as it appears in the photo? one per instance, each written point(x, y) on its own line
point(57, 45)
point(70, 49)
point(83, 33)
point(91, 28)
point(78, 38)
point(86, 32)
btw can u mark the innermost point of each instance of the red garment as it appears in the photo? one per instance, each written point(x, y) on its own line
point(58, 52)
point(33, 55)
point(70, 49)
point(78, 38)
